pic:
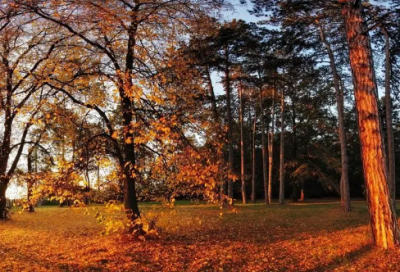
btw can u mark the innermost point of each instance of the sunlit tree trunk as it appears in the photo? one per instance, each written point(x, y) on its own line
point(344, 181)
point(282, 152)
point(302, 196)
point(242, 169)
point(253, 172)
point(271, 148)
point(382, 211)
point(389, 123)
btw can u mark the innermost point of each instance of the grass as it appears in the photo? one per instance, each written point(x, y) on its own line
point(308, 237)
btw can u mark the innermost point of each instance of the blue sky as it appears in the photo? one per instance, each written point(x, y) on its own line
point(240, 12)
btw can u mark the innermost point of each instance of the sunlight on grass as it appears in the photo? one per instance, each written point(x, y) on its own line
point(315, 237)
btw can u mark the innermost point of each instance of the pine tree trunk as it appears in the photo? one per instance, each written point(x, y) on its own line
point(282, 153)
point(264, 149)
point(230, 132)
point(294, 143)
point(382, 211)
point(302, 196)
point(212, 96)
point(344, 181)
point(242, 169)
point(389, 123)
point(217, 123)
point(253, 176)
point(271, 148)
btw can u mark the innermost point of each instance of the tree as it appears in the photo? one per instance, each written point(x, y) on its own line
point(384, 21)
point(260, 66)
point(382, 212)
point(25, 52)
point(242, 161)
point(344, 181)
point(282, 152)
point(253, 164)
point(231, 42)
point(271, 135)
point(129, 54)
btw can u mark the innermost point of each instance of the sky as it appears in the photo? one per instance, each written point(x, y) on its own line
point(241, 12)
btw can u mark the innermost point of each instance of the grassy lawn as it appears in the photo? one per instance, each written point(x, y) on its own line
point(306, 237)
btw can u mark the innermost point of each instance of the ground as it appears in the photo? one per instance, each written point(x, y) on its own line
point(302, 237)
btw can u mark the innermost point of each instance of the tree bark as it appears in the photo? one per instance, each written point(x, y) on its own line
point(383, 220)
point(271, 148)
point(253, 176)
point(282, 153)
point(30, 180)
point(217, 123)
point(230, 132)
point(389, 123)
point(242, 169)
point(212, 95)
point(294, 142)
point(3, 201)
point(302, 196)
point(264, 149)
point(344, 186)
point(127, 105)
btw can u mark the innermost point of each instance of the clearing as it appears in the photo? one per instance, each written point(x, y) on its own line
point(302, 237)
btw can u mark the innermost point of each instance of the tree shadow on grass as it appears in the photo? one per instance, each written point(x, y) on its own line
point(343, 260)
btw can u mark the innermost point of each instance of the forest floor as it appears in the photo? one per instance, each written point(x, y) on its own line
point(301, 237)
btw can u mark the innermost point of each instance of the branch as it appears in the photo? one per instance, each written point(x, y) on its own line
point(93, 107)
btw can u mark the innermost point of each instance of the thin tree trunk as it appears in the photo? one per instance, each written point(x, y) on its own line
point(282, 152)
point(230, 132)
point(383, 219)
point(302, 196)
point(216, 121)
point(344, 186)
point(212, 95)
point(87, 174)
point(242, 169)
point(294, 142)
point(30, 181)
point(389, 123)
point(253, 176)
point(264, 149)
point(271, 148)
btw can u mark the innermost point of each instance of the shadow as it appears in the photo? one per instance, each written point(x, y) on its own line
point(277, 223)
point(342, 260)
